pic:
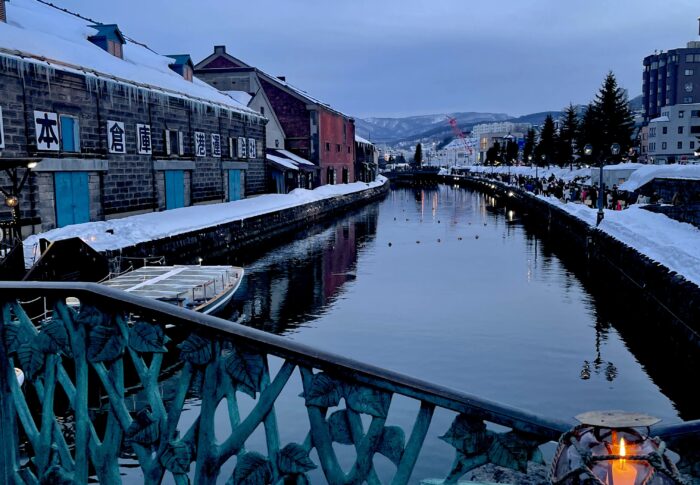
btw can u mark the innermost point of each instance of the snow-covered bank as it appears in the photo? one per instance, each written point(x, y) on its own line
point(120, 233)
point(565, 174)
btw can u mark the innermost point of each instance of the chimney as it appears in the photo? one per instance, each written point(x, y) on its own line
point(3, 15)
point(219, 49)
point(282, 78)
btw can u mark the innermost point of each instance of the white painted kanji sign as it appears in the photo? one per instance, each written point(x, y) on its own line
point(116, 137)
point(46, 128)
point(252, 148)
point(216, 145)
point(2, 131)
point(200, 144)
point(241, 148)
point(143, 139)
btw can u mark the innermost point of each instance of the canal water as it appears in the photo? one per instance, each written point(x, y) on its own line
point(437, 284)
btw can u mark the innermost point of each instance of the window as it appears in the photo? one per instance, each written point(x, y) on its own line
point(262, 110)
point(70, 133)
point(680, 130)
point(696, 58)
point(689, 72)
point(692, 145)
point(664, 145)
point(2, 132)
point(348, 148)
point(174, 142)
point(231, 147)
point(328, 147)
point(695, 130)
point(689, 58)
point(652, 132)
point(652, 147)
point(655, 65)
point(688, 99)
point(695, 113)
point(681, 114)
point(680, 145)
point(337, 147)
point(664, 130)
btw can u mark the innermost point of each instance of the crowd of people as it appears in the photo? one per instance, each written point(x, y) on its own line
point(576, 190)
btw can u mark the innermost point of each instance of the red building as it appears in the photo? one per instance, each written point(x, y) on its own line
point(298, 123)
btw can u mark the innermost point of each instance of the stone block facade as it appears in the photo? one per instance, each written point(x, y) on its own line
point(118, 184)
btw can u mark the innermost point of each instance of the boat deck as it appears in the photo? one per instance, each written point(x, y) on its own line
point(189, 285)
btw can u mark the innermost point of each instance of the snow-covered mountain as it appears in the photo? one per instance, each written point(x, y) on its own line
point(397, 129)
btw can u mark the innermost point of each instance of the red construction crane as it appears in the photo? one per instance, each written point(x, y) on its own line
point(459, 134)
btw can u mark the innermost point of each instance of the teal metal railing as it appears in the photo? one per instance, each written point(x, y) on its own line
point(101, 342)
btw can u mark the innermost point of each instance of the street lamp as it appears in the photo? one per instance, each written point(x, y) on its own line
point(615, 151)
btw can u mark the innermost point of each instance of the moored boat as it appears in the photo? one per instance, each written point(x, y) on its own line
point(205, 289)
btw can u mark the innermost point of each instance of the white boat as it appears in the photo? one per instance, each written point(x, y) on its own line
point(205, 289)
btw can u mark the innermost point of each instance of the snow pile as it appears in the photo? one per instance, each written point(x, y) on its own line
point(157, 225)
point(647, 173)
point(669, 242)
point(41, 31)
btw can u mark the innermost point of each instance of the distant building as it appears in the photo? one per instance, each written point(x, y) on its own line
point(488, 134)
point(457, 152)
point(674, 136)
point(671, 78)
point(367, 161)
point(110, 128)
point(299, 123)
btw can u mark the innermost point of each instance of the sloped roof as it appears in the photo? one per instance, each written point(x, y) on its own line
point(362, 141)
point(44, 35)
point(220, 52)
point(647, 173)
point(288, 160)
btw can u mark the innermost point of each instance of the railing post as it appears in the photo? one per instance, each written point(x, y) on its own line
point(8, 447)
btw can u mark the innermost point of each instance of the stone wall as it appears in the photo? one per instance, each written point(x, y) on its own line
point(612, 261)
point(119, 184)
point(217, 241)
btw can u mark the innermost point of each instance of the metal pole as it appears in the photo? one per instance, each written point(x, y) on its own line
point(601, 190)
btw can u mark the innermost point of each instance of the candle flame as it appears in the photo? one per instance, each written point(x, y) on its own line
point(623, 451)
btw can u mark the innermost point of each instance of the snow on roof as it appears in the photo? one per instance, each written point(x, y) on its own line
point(295, 157)
point(284, 162)
point(240, 97)
point(660, 119)
point(41, 34)
point(623, 166)
point(647, 173)
point(363, 141)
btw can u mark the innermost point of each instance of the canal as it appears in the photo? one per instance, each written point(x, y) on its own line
point(438, 284)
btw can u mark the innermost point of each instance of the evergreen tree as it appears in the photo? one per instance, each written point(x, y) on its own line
point(511, 152)
point(588, 132)
point(610, 119)
point(418, 156)
point(493, 154)
point(568, 136)
point(530, 142)
point(548, 142)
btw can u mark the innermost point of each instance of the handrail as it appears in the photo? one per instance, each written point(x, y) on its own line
point(111, 330)
point(343, 366)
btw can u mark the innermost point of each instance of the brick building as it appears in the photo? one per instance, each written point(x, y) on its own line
point(110, 128)
point(298, 123)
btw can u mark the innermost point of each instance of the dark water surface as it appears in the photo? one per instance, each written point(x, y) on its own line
point(433, 284)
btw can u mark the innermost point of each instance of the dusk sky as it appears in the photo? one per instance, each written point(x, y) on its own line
point(406, 57)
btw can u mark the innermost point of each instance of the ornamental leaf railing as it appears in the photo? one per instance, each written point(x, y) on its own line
point(79, 342)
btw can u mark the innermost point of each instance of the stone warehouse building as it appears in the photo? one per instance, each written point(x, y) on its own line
point(298, 123)
point(109, 128)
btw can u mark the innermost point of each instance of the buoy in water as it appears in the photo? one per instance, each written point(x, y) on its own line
point(389, 244)
point(417, 242)
point(476, 237)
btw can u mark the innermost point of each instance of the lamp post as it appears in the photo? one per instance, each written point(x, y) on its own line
point(588, 151)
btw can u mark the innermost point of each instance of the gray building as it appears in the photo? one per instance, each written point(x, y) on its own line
point(671, 78)
point(110, 128)
point(674, 136)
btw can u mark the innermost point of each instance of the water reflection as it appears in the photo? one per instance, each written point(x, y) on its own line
point(460, 289)
point(297, 282)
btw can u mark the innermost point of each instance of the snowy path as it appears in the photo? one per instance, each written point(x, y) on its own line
point(120, 233)
point(674, 244)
